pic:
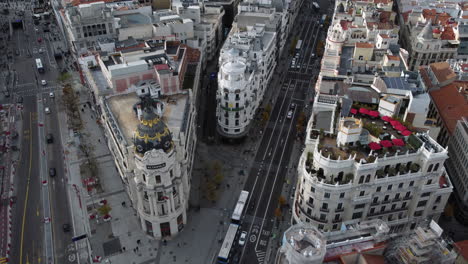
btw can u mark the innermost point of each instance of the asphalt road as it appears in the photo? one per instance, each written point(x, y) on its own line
point(28, 213)
point(267, 176)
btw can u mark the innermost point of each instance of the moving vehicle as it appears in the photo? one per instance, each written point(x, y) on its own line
point(290, 114)
point(298, 45)
point(225, 252)
point(47, 110)
point(51, 95)
point(43, 82)
point(322, 20)
point(239, 209)
point(52, 172)
point(39, 40)
point(242, 238)
point(66, 228)
point(40, 67)
point(292, 106)
point(49, 138)
point(315, 6)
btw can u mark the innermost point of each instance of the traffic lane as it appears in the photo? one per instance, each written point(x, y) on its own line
point(28, 227)
point(58, 184)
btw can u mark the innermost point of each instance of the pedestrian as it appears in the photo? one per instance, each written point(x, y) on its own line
point(178, 244)
point(138, 242)
point(137, 249)
point(134, 250)
point(123, 248)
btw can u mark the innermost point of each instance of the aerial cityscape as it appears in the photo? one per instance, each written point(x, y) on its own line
point(233, 131)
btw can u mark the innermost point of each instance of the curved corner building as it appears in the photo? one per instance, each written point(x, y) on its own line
point(246, 65)
point(340, 179)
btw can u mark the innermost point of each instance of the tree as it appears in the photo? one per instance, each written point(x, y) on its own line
point(268, 108)
point(265, 117)
point(64, 77)
point(278, 213)
point(281, 201)
point(104, 210)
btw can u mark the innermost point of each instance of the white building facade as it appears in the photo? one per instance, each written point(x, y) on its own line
point(340, 183)
point(246, 65)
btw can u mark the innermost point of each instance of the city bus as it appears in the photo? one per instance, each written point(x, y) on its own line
point(298, 45)
point(237, 214)
point(40, 67)
point(225, 252)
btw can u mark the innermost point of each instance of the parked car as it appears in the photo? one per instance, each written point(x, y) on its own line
point(52, 172)
point(290, 114)
point(292, 106)
point(39, 40)
point(47, 110)
point(242, 238)
point(44, 82)
point(51, 95)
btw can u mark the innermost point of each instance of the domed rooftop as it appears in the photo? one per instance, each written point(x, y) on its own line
point(152, 133)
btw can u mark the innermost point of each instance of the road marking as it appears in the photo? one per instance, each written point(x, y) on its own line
point(253, 238)
point(260, 256)
point(3, 260)
point(27, 195)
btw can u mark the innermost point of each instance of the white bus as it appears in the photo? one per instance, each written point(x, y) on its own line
point(223, 256)
point(39, 66)
point(298, 45)
point(239, 209)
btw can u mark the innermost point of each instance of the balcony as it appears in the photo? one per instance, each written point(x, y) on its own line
point(386, 201)
point(324, 221)
point(375, 203)
point(325, 210)
point(337, 210)
point(408, 197)
point(337, 220)
point(232, 109)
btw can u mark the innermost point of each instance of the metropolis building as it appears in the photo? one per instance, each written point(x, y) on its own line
point(153, 140)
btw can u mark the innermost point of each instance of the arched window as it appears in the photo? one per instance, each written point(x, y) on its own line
point(436, 167)
point(430, 168)
point(368, 178)
point(361, 179)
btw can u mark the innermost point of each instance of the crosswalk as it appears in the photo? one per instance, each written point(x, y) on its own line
point(33, 91)
point(260, 256)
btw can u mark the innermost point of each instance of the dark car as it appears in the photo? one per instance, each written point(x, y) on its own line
point(19, 100)
point(50, 138)
point(66, 228)
point(52, 172)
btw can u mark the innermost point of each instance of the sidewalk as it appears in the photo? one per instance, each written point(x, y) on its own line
point(116, 239)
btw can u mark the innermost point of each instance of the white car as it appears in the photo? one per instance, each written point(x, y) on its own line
point(41, 51)
point(290, 113)
point(51, 95)
point(242, 238)
point(44, 82)
point(47, 110)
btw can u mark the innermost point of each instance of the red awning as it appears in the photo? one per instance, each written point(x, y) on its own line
point(406, 133)
point(395, 123)
point(387, 119)
point(386, 143)
point(374, 113)
point(400, 128)
point(398, 142)
point(353, 111)
point(363, 111)
point(374, 146)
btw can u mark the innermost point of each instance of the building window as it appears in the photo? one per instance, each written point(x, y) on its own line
point(436, 167)
point(408, 194)
point(430, 168)
point(309, 211)
point(386, 198)
point(342, 195)
point(340, 205)
point(400, 185)
point(335, 226)
point(403, 205)
point(378, 189)
point(158, 178)
point(361, 179)
point(418, 213)
point(311, 200)
point(144, 177)
point(376, 200)
point(437, 200)
point(425, 194)
point(160, 196)
point(324, 206)
point(326, 195)
point(393, 206)
point(171, 173)
point(320, 227)
point(382, 208)
point(397, 196)
point(145, 196)
point(411, 183)
point(323, 217)
point(372, 210)
point(362, 193)
point(422, 203)
point(429, 181)
point(337, 217)
point(357, 215)
point(359, 206)
point(312, 189)
point(389, 187)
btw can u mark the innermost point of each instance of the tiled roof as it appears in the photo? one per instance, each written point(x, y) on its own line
point(425, 77)
point(345, 24)
point(364, 45)
point(406, 15)
point(436, 18)
point(385, 36)
point(373, 259)
point(386, 25)
point(463, 248)
point(448, 34)
point(442, 71)
point(451, 104)
point(394, 58)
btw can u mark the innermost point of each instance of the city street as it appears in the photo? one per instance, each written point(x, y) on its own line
point(41, 207)
point(267, 176)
